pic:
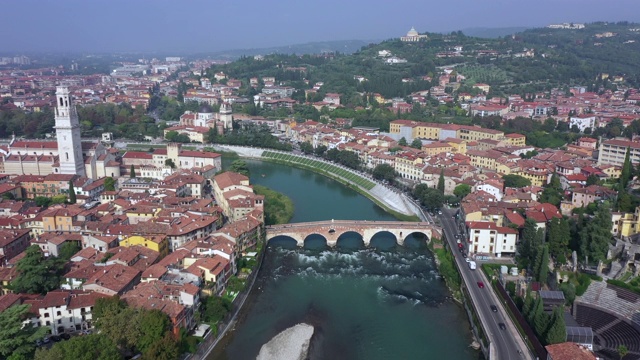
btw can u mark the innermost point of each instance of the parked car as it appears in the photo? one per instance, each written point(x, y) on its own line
point(494, 308)
point(460, 245)
point(502, 326)
point(467, 259)
point(464, 255)
point(55, 338)
point(480, 284)
point(65, 336)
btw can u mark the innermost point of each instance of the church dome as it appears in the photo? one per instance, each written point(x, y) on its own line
point(412, 32)
point(205, 109)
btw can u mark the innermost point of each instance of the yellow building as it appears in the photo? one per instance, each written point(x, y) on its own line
point(537, 177)
point(482, 159)
point(516, 139)
point(437, 148)
point(409, 166)
point(157, 243)
point(458, 146)
point(473, 133)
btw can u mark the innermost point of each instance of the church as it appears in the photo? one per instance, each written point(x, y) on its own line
point(413, 36)
point(67, 155)
point(197, 125)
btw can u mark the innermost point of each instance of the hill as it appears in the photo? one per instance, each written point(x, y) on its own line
point(341, 46)
point(529, 61)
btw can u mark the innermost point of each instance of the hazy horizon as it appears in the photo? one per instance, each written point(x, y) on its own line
point(195, 26)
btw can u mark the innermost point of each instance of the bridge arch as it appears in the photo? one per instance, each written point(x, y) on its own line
point(416, 238)
point(315, 241)
point(350, 240)
point(283, 241)
point(383, 240)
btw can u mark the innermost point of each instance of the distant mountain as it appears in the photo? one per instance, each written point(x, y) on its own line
point(342, 46)
point(490, 33)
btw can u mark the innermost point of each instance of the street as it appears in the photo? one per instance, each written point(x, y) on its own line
point(507, 343)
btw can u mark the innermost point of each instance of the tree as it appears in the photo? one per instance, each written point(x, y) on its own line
point(515, 181)
point(132, 172)
point(42, 201)
point(212, 134)
point(557, 332)
point(416, 144)
point(527, 250)
point(540, 319)
point(595, 237)
point(320, 150)
point(402, 141)
point(37, 274)
point(215, 309)
point(72, 193)
point(593, 179)
point(89, 347)
point(153, 325)
point(384, 172)
point(15, 338)
point(170, 163)
point(542, 264)
point(163, 349)
point(109, 184)
point(68, 249)
point(625, 176)
point(559, 236)
point(553, 192)
point(306, 147)
point(622, 351)
point(441, 182)
point(117, 322)
point(240, 167)
point(462, 190)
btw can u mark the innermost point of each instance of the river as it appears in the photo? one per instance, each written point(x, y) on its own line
point(382, 303)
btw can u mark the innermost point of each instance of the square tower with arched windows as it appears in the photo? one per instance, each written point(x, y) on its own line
point(68, 134)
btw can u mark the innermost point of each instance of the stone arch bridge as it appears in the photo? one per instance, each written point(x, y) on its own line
point(331, 230)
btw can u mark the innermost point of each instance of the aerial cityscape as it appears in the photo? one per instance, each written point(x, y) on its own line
point(289, 181)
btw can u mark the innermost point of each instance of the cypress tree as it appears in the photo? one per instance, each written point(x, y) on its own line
point(543, 265)
point(132, 171)
point(557, 332)
point(441, 182)
point(626, 170)
point(72, 193)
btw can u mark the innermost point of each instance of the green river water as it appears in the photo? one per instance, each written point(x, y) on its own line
point(379, 303)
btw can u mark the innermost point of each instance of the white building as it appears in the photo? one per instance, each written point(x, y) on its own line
point(489, 239)
point(583, 121)
point(66, 311)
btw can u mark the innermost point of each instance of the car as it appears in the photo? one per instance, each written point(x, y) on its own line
point(439, 212)
point(502, 326)
point(46, 340)
point(480, 284)
point(39, 342)
point(467, 259)
point(458, 241)
point(494, 308)
point(65, 336)
point(55, 338)
point(460, 245)
point(464, 255)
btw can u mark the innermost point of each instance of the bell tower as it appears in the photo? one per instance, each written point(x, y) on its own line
point(68, 134)
point(226, 116)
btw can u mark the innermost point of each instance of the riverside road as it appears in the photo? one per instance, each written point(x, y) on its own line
point(507, 344)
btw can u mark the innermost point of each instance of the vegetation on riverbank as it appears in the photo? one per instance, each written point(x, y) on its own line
point(278, 208)
point(447, 267)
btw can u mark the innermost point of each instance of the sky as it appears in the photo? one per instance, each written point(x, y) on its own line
point(189, 26)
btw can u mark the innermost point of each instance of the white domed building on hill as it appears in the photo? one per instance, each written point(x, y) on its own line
point(413, 36)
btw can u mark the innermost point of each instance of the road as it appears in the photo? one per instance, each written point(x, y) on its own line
point(507, 343)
